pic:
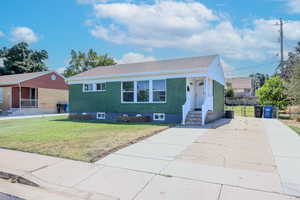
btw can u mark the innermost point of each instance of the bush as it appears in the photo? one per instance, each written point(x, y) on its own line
point(134, 119)
point(274, 93)
point(298, 119)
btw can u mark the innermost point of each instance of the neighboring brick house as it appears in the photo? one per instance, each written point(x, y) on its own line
point(32, 93)
point(242, 86)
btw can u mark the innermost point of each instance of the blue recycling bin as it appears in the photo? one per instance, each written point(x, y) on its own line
point(268, 111)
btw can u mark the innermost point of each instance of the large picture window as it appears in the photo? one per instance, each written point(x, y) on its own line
point(128, 91)
point(143, 91)
point(159, 90)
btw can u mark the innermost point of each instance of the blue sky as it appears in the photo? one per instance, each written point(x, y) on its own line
point(242, 32)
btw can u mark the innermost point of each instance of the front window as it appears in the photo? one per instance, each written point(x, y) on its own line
point(159, 90)
point(143, 91)
point(88, 87)
point(100, 86)
point(128, 91)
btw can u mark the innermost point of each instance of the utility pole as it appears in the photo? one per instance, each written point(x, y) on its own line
point(281, 64)
point(281, 41)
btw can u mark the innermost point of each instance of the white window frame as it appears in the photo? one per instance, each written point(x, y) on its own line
point(94, 87)
point(102, 90)
point(134, 92)
point(159, 114)
point(150, 92)
point(1, 96)
point(101, 115)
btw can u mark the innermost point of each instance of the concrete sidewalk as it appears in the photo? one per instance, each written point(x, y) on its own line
point(232, 162)
point(286, 149)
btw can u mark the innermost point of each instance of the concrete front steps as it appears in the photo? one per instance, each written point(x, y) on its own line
point(194, 118)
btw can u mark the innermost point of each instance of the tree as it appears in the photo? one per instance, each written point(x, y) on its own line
point(20, 59)
point(259, 80)
point(273, 92)
point(81, 62)
point(286, 70)
point(229, 92)
point(294, 85)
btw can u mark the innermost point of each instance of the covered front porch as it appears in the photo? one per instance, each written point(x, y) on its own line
point(24, 97)
point(199, 100)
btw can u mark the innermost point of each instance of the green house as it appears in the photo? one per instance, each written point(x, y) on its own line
point(187, 91)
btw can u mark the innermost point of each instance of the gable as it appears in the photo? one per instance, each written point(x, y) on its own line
point(47, 81)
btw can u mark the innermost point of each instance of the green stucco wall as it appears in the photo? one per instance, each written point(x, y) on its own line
point(110, 100)
point(218, 97)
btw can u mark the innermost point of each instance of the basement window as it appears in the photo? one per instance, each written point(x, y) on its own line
point(101, 115)
point(159, 116)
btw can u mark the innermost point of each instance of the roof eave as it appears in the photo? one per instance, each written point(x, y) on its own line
point(202, 69)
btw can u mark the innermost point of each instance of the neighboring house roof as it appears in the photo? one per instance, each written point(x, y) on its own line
point(240, 82)
point(19, 78)
point(150, 67)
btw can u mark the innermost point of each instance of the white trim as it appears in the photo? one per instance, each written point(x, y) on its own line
point(101, 115)
point(163, 115)
point(136, 78)
point(150, 93)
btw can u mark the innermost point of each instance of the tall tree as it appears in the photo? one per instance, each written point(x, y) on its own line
point(286, 70)
point(294, 85)
point(81, 62)
point(20, 59)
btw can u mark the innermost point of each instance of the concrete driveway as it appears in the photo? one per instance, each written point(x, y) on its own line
point(244, 159)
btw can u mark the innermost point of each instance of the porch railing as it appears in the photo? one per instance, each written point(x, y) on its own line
point(185, 110)
point(29, 103)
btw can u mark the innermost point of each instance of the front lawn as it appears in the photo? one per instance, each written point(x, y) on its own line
point(296, 129)
point(78, 140)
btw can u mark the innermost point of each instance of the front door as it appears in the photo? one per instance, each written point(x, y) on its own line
point(199, 89)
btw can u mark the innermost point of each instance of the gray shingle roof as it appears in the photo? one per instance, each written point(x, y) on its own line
point(150, 67)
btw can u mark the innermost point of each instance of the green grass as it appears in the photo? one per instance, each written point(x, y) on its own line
point(245, 111)
point(78, 140)
point(296, 129)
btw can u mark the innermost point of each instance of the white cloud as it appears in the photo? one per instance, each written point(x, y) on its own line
point(134, 58)
point(2, 34)
point(60, 70)
point(191, 26)
point(293, 6)
point(23, 33)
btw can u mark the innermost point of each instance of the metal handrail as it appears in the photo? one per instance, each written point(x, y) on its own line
point(29, 103)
